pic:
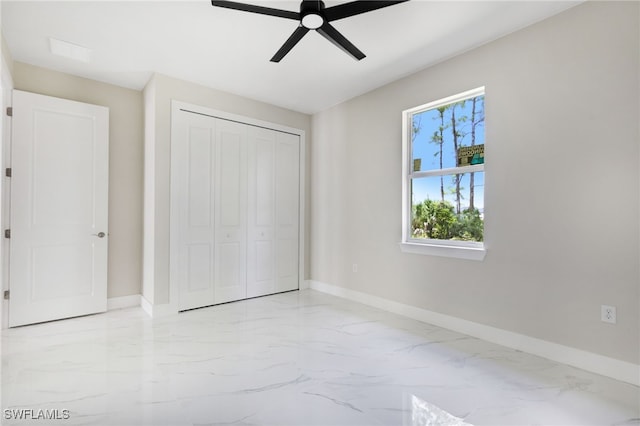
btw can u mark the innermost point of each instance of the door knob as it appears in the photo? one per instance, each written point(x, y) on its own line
point(99, 235)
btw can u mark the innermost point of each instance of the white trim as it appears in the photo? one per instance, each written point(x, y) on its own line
point(149, 191)
point(478, 91)
point(157, 311)
point(174, 291)
point(146, 306)
point(6, 86)
point(468, 253)
point(305, 285)
point(599, 364)
point(197, 109)
point(302, 223)
point(476, 168)
point(123, 302)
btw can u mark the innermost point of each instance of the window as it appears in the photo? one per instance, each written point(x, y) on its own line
point(443, 177)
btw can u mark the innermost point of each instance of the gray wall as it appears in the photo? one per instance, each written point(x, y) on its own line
point(125, 164)
point(161, 90)
point(562, 185)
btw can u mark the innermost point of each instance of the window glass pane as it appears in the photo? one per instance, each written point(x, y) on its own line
point(437, 133)
point(444, 209)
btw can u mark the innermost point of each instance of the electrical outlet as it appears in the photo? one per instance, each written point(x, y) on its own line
point(608, 314)
point(354, 268)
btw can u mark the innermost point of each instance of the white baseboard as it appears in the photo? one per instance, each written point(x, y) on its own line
point(146, 306)
point(610, 367)
point(123, 302)
point(157, 311)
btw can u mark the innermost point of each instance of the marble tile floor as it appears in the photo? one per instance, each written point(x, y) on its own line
point(298, 358)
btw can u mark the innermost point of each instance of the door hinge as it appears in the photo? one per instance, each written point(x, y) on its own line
point(6, 295)
point(7, 172)
point(7, 233)
point(10, 111)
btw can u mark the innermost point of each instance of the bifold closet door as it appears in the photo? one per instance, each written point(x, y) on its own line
point(273, 188)
point(261, 209)
point(193, 168)
point(230, 184)
point(209, 161)
point(235, 210)
point(287, 211)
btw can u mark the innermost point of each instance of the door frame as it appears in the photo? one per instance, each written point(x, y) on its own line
point(6, 95)
point(177, 106)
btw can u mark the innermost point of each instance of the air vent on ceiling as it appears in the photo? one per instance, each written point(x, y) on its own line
point(70, 50)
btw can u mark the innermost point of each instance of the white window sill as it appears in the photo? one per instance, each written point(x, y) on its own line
point(457, 252)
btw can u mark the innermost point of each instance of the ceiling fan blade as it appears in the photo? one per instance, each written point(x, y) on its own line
point(331, 34)
point(288, 45)
point(345, 10)
point(257, 9)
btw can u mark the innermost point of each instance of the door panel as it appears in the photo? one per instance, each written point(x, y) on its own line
point(59, 203)
point(193, 162)
point(264, 180)
point(230, 188)
point(199, 272)
point(230, 168)
point(53, 276)
point(287, 211)
point(261, 212)
point(200, 172)
point(264, 261)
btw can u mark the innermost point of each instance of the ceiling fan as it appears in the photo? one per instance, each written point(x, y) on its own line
point(314, 16)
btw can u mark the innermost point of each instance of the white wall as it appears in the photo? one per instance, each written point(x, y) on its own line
point(164, 90)
point(125, 164)
point(562, 185)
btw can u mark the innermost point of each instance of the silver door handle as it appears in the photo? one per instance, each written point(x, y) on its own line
point(99, 235)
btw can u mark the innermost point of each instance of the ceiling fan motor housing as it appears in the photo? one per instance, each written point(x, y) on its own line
point(311, 12)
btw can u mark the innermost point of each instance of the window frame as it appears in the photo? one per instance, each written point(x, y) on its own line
point(472, 250)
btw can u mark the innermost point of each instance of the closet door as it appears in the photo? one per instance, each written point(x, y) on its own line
point(234, 209)
point(193, 163)
point(261, 212)
point(231, 211)
point(287, 192)
point(273, 211)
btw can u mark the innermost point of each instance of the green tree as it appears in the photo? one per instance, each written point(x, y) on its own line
point(469, 226)
point(438, 138)
point(434, 219)
point(437, 220)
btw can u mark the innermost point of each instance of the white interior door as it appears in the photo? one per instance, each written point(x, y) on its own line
point(59, 204)
point(192, 174)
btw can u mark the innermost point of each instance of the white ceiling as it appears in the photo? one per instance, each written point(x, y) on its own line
point(230, 50)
